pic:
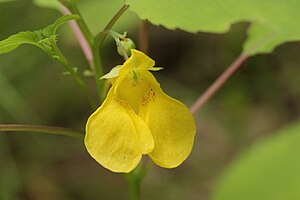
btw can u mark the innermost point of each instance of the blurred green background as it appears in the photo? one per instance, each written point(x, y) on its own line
point(260, 98)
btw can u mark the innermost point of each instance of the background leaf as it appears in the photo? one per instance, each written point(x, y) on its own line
point(268, 171)
point(272, 22)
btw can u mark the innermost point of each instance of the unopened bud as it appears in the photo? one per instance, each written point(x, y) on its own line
point(124, 46)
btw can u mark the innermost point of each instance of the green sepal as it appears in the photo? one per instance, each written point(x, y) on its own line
point(114, 72)
point(155, 68)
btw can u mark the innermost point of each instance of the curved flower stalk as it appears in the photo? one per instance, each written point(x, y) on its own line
point(138, 118)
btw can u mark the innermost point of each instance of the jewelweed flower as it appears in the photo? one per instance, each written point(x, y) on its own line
point(138, 118)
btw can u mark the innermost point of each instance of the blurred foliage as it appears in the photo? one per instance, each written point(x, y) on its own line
point(262, 97)
point(270, 170)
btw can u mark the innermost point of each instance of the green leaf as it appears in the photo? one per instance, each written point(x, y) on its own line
point(16, 40)
point(40, 38)
point(51, 29)
point(272, 22)
point(270, 170)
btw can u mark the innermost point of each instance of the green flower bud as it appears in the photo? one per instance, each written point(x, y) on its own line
point(125, 44)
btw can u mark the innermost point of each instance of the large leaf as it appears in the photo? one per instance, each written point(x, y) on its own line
point(272, 22)
point(40, 38)
point(270, 170)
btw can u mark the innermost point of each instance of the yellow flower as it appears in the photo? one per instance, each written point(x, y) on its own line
point(138, 118)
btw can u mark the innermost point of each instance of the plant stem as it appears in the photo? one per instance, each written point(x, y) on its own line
point(134, 180)
point(98, 70)
point(97, 44)
point(93, 57)
point(100, 37)
point(72, 6)
point(61, 58)
point(134, 192)
point(81, 39)
point(237, 63)
point(41, 129)
point(94, 43)
point(143, 36)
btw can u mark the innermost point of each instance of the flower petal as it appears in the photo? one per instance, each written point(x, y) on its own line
point(144, 134)
point(131, 91)
point(137, 60)
point(131, 87)
point(111, 136)
point(171, 124)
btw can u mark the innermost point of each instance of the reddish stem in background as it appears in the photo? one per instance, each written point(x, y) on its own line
point(143, 37)
point(81, 39)
point(237, 63)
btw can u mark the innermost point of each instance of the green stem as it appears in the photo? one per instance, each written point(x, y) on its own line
point(134, 186)
point(41, 129)
point(98, 70)
point(95, 47)
point(94, 42)
point(100, 37)
point(95, 62)
point(135, 179)
point(61, 58)
point(134, 190)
